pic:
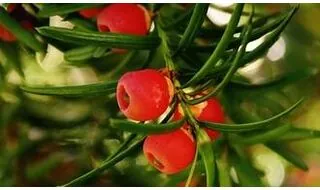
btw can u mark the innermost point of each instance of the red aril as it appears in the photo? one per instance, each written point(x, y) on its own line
point(171, 152)
point(143, 95)
point(207, 111)
point(124, 18)
point(90, 12)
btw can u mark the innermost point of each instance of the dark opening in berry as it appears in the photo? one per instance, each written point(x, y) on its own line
point(124, 99)
point(156, 163)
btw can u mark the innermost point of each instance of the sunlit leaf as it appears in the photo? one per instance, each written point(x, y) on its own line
point(223, 168)
point(80, 53)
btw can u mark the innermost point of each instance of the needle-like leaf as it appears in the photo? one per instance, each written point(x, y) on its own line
point(80, 53)
point(207, 155)
point(266, 136)
point(234, 66)
point(250, 126)
point(104, 88)
point(223, 44)
point(197, 18)
point(146, 128)
point(299, 134)
point(107, 39)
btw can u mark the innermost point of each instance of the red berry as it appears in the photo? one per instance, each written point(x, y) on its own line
point(170, 152)
point(210, 111)
point(124, 18)
point(6, 35)
point(11, 7)
point(213, 134)
point(91, 12)
point(143, 95)
point(27, 25)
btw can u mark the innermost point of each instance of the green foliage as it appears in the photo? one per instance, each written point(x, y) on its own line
point(102, 39)
point(221, 47)
point(206, 152)
point(145, 128)
point(247, 175)
point(197, 18)
point(74, 91)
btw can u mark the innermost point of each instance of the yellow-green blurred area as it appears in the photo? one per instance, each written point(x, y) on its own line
point(48, 141)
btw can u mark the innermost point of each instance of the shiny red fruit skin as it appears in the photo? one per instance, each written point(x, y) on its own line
point(171, 152)
point(213, 112)
point(124, 18)
point(91, 12)
point(143, 95)
point(213, 134)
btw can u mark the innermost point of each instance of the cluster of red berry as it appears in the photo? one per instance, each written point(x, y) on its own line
point(146, 94)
